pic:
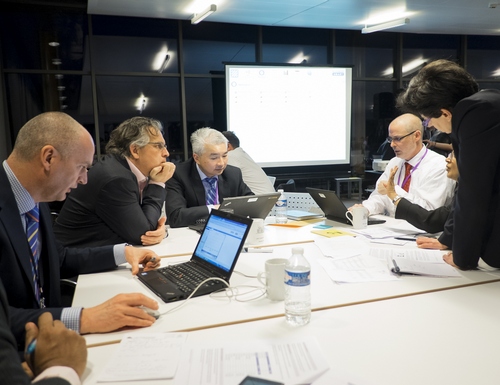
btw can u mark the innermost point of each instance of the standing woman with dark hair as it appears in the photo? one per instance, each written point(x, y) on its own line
point(447, 97)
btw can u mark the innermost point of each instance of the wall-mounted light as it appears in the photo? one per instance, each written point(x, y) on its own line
point(164, 64)
point(386, 25)
point(197, 17)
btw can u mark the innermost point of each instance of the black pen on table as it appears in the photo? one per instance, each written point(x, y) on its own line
point(396, 267)
point(405, 238)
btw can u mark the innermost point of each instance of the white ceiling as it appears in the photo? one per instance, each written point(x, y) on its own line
point(468, 17)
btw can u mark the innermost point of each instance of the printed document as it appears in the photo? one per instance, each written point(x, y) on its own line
point(293, 362)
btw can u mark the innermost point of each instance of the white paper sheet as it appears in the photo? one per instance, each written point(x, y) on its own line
point(145, 357)
point(228, 363)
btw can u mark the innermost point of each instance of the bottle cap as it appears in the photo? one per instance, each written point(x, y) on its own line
point(280, 190)
point(297, 250)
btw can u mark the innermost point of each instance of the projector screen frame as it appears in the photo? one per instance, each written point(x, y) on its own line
point(340, 164)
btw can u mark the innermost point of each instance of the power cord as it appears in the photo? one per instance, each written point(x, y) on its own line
point(237, 293)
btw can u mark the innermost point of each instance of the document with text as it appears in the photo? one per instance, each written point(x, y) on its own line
point(292, 362)
point(152, 356)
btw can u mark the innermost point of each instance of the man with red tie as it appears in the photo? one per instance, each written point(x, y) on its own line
point(421, 176)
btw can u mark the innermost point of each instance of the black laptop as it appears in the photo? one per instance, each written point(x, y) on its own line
point(215, 255)
point(333, 207)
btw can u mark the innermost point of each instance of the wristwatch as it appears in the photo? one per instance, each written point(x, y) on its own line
point(396, 198)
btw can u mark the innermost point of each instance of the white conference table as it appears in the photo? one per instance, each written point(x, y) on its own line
point(206, 312)
point(444, 337)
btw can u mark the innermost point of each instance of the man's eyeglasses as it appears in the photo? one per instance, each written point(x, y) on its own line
point(398, 139)
point(426, 122)
point(158, 145)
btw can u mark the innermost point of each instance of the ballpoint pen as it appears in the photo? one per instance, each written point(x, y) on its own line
point(29, 353)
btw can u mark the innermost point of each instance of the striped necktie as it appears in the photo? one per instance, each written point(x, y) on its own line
point(212, 191)
point(32, 222)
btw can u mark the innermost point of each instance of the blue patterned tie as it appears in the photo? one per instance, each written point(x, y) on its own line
point(212, 191)
point(32, 219)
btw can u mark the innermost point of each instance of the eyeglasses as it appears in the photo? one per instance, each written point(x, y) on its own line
point(158, 145)
point(398, 139)
point(426, 122)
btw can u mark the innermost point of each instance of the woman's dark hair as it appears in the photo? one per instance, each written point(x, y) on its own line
point(441, 84)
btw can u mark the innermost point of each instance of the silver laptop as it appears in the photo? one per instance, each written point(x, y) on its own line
point(333, 207)
point(215, 255)
point(253, 206)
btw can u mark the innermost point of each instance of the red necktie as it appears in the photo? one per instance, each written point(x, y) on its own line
point(407, 179)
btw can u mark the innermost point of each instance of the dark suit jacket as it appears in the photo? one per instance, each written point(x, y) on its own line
point(431, 221)
point(108, 210)
point(476, 137)
point(55, 262)
point(11, 371)
point(186, 196)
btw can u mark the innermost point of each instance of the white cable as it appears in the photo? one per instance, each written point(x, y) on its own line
point(194, 291)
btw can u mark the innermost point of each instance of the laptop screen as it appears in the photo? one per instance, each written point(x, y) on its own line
point(221, 241)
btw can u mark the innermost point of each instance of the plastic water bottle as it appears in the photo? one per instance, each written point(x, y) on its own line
point(297, 288)
point(281, 204)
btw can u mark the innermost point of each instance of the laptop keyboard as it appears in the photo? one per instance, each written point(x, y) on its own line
point(186, 277)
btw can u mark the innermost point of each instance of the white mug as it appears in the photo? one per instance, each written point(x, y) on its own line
point(358, 216)
point(256, 234)
point(275, 278)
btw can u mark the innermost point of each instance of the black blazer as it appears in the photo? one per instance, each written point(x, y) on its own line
point(108, 209)
point(431, 221)
point(476, 220)
point(55, 262)
point(186, 196)
point(11, 371)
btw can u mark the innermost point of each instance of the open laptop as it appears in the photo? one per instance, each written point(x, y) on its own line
point(253, 206)
point(333, 207)
point(215, 255)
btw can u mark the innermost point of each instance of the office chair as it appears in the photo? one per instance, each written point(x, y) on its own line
point(67, 286)
point(289, 186)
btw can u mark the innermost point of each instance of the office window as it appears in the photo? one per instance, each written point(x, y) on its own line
point(483, 61)
point(421, 49)
point(371, 55)
point(127, 44)
point(31, 94)
point(294, 45)
point(200, 104)
point(122, 97)
point(208, 45)
point(27, 32)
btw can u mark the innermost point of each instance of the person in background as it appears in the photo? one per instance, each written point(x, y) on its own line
point(123, 199)
point(438, 141)
point(253, 175)
point(61, 354)
point(421, 174)
point(431, 221)
point(200, 183)
point(51, 156)
point(448, 98)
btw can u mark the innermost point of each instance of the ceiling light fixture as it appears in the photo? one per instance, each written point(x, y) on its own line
point(165, 63)
point(197, 17)
point(386, 25)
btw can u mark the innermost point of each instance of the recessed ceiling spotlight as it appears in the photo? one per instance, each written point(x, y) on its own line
point(61, 98)
point(61, 88)
point(59, 76)
point(56, 61)
point(54, 44)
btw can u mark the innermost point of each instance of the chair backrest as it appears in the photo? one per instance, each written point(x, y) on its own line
point(289, 186)
point(299, 201)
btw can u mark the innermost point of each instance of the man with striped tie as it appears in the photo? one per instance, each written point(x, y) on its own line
point(200, 183)
point(51, 156)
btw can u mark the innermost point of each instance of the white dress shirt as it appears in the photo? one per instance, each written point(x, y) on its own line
point(253, 175)
point(429, 187)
